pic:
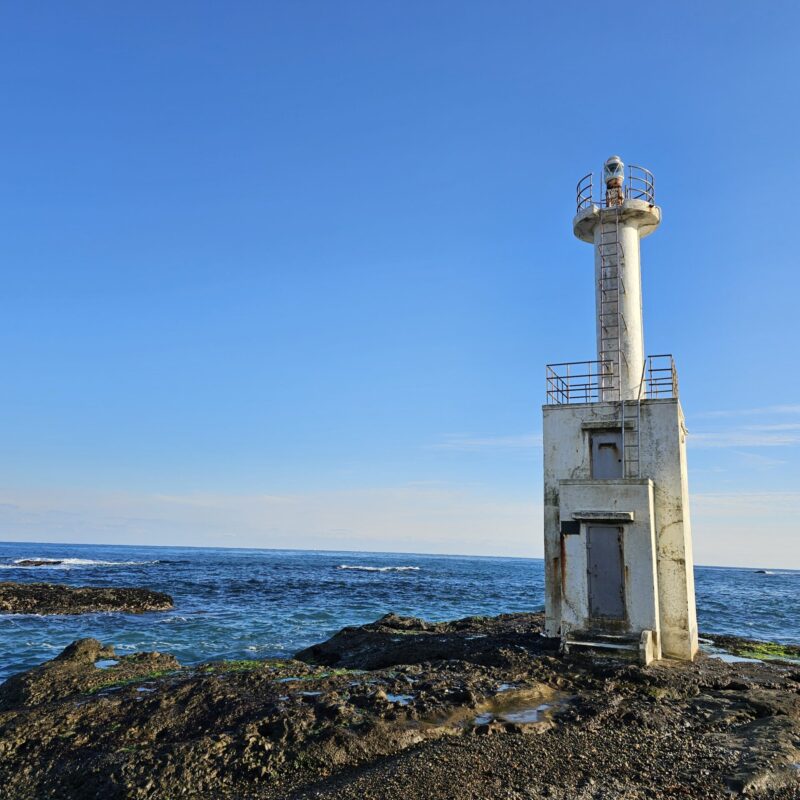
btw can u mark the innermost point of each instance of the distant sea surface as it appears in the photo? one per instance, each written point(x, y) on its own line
point(266, 603)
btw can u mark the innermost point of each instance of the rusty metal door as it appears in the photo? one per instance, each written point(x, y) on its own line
point(605, 571)
point(607, 455)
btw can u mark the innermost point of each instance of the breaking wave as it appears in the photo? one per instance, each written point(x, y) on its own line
point(35, 562)
point(377, 569)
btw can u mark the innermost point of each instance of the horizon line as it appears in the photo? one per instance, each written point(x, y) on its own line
point(352, 552)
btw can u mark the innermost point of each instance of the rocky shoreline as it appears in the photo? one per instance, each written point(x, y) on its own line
point(401, 708)
point(52, 598)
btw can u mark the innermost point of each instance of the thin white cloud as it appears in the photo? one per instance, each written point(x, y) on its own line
point(730, 528)
point(466, 442)
point(407, 518)
point(749, 529)
point(736, 504)
point(748, 412)
point(744, 437)
point(759, 461)
point(210, 500)
point(769, 430)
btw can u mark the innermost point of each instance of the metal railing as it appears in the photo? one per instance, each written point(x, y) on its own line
point(578, 382)
point(659, 378)
point(639, 185)
point(593, 381)
point(584, 192)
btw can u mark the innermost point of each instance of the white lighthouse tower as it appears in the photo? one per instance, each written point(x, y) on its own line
point(617, 537)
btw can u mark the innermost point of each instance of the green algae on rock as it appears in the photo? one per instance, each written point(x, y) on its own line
point(755, 648)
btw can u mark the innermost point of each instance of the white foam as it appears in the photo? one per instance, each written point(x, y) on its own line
point(68, 563)
point(377, 569)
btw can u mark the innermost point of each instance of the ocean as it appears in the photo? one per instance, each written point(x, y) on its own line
point(233, 603)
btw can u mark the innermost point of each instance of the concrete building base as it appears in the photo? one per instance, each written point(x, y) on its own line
point(635, 530)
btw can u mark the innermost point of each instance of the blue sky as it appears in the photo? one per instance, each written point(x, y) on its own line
point(287, 274)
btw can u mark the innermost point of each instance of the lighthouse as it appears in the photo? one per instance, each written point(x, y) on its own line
point(617, 535)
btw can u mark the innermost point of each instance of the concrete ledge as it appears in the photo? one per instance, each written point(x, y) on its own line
point(611, 482)
point(602, 425)
point(632, 212)
point(605, 516)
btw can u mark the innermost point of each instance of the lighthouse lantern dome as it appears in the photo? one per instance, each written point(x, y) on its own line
point(613, 171)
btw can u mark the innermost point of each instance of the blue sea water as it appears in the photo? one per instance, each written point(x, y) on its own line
point(261, 603)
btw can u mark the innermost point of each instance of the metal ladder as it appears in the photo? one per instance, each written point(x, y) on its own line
point(630, 450)
point(611, 327)
point(610, 307)
point(631, 439)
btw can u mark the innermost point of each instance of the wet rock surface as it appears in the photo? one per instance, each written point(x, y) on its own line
point(52, 598)
point(401, 708)
point(85, 667)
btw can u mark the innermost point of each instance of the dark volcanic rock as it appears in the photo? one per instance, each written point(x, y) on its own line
point(407, 640)
point(478, 709)
point(50, 598)
point(33, 562)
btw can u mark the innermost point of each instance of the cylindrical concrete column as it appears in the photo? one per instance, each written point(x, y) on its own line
point(632, 333)
point(615, 233)
point(618, 302)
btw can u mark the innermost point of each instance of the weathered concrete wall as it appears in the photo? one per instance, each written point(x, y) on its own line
point(566, 456)
point(639, 550)
point(663, 457)
point(566, 432)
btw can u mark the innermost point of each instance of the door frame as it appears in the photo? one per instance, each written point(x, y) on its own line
point(615, 438)
point(606, 621)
